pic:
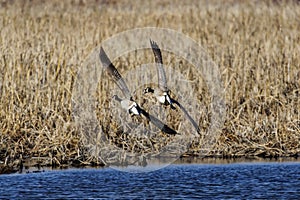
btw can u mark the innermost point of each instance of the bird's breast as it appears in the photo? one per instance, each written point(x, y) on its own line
point(161, 99)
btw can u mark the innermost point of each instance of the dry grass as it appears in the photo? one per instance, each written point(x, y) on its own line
point(43, 44)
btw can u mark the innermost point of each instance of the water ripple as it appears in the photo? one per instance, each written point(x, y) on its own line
point(268, 180)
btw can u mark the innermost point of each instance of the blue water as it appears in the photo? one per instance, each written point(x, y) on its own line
point(224, 181)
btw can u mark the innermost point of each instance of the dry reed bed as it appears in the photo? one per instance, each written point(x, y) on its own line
point(42, 45)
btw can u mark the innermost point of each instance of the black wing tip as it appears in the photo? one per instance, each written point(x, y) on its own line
point(154, 45)
point(169, 130)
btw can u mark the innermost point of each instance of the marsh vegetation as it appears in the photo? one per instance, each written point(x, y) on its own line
point(255, 44)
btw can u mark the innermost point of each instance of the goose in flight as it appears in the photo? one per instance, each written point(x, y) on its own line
point(128, 103)
point(162, 93)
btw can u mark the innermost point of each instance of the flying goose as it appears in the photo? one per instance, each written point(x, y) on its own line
point(162, 93)
point(128, 103)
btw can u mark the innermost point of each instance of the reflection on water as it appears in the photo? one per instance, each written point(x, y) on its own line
point(237, 180)
point(159, 163)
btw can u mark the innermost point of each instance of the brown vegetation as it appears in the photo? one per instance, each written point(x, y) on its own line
point(43, 44)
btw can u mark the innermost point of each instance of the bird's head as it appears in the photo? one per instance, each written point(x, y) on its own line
point(148, 89)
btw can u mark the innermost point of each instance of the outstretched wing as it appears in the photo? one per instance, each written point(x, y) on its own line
point(162, 80)
point(159, 124)
point(192, 121)
point(113, 72)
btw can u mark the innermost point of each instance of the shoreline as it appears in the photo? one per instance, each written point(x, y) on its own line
point(32, 166)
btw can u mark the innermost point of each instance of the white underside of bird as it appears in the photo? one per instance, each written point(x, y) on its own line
point(131, 106)
point(163, 98)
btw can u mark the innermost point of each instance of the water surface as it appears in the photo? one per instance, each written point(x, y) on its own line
point(209, 181)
